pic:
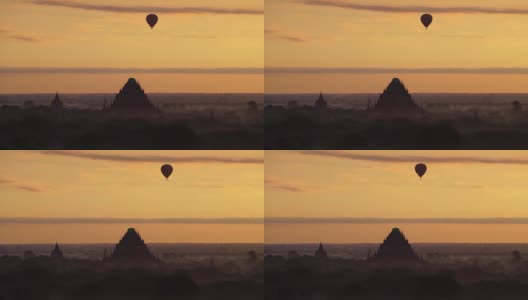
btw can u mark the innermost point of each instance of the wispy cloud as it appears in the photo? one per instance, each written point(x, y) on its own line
point(10, 183)
point(150, 9)
point(276, 34)
point(131, 220)
point(417, 158)
point(372, 70)
point(295, 220)
point(7, 34)
point(104, 70)
point(4, 181)
point(283, 185)
point(155, 158)
point(416, 9)
point(267, 70)
point(28, 188)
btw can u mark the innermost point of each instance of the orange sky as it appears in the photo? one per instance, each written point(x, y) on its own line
point(99, 34)
point(465, 196)
point(208, 185)
point(382, 184)
point(232, 34)
point(345, 34)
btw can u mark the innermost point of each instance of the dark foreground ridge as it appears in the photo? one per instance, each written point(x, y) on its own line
point(395, 271)
point(131, 272)
point(394, 121)
point(132, 121)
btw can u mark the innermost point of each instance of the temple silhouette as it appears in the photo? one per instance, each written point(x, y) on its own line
point(396, 100)
point(321, 103)
point(321, 252)
point(132, 250)
point(56, 103)
point(56, 252)
point(132, 99)
point(395, 249)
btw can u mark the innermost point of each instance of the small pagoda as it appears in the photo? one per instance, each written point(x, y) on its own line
point(131, 98)
point(132, 250)
point(321, 103)
point(56, 103)
point(56, 253)
point(396, 100)
point(395, 249)
point(321, 252)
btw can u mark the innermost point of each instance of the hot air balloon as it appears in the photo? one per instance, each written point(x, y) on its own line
point(152, 19)
point(166, 170)
point(427, 19)
point(420, 169)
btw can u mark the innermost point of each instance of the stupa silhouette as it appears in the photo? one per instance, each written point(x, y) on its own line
point(321, 252)
point(56, 252)
point(132, 250)
point(396, 99)
point(56, 103)
point(320, 103)
point(132, 98)
point(395, 249)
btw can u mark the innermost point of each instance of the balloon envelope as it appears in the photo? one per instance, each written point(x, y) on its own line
point(166, 170)
point(427, 19)
point(152, 19)
point(420, 169)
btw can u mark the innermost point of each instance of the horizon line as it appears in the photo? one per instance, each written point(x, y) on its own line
point(266, 94)
point(264, 220)
point(268, 244)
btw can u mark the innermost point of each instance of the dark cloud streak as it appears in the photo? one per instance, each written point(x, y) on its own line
point(268, 220)
point(149, 9)
point(28, 188)
point(131, 221)
point(6, 34)
point(267, 70)
point(396, 220)
point(344, 70)
point(13, 184)
point(51, 70)
point(416, 158)
point(155, 158)
point(275, 34)
point(417, 9)
point(281, 185)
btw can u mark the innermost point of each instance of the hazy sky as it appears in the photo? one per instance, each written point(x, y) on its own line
point(201, 34)
point(128, 184)
point(467, 35)
point(382, 184)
